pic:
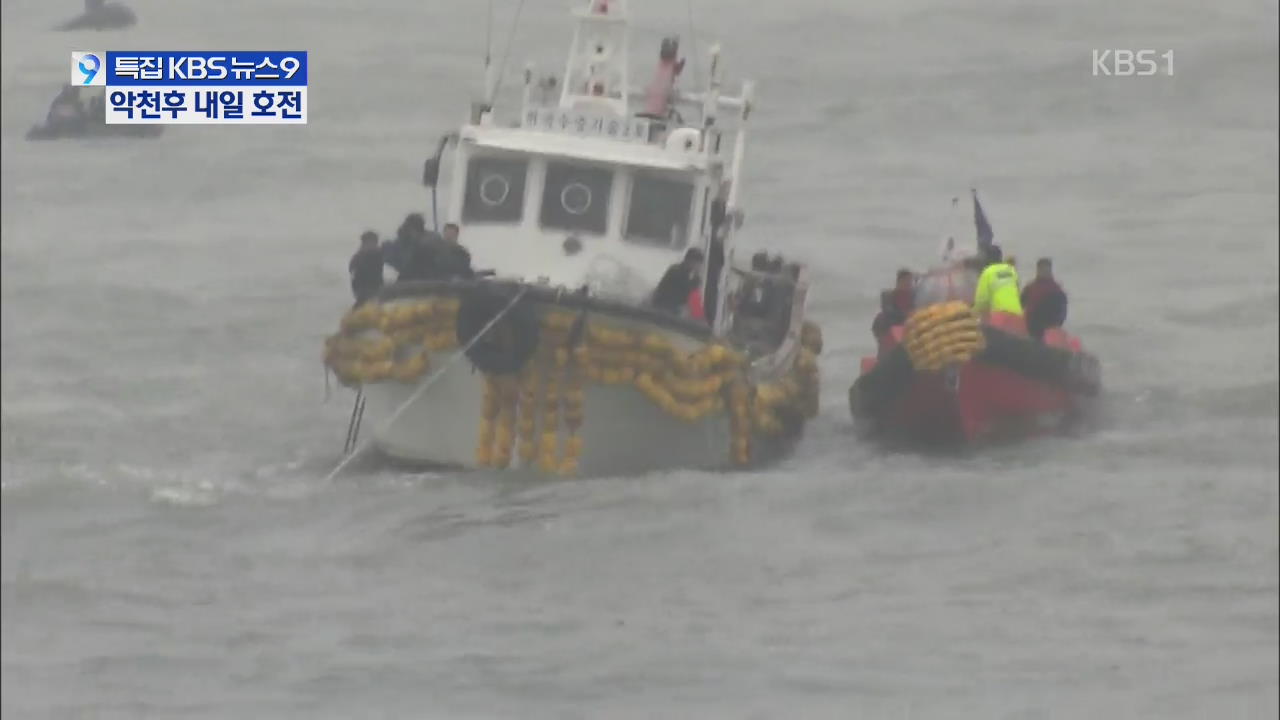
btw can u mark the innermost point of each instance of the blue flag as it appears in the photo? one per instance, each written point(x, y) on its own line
point(985, 234)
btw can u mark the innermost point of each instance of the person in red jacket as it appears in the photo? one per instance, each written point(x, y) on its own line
point(672, 294)
point(694, 306)
point(1043, 301)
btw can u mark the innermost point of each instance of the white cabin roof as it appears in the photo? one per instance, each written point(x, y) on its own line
point(597, 150)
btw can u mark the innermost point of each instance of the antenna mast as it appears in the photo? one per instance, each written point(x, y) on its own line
point(488, 53)
point(596, 73)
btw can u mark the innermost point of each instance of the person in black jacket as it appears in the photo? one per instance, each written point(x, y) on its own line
point(672, 293)
point(405, 253)
point(366, 269)
point(451, 259)
point(889, 316)
point(756, 296)
point(418, 258)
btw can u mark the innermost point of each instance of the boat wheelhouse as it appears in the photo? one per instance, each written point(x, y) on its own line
point(592, 183)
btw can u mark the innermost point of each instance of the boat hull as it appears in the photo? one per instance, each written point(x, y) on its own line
point(1015, 388)
point(93, 131)
point(629, 397)
point(623, 431)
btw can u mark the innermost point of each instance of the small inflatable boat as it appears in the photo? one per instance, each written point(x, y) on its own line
point(946, 377)
point(79, 112)
point(99, 15)
point(91, 130)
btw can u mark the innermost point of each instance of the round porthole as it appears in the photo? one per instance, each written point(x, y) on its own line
point(494, 190)
point(575, 198)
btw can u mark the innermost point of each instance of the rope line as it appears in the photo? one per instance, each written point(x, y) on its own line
point(502, 66)
point(428, 382)
point(693, 48)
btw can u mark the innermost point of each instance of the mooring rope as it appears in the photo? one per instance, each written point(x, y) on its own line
point(428, 382)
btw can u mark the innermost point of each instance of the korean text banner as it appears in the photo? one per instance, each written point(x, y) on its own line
point(205, 68)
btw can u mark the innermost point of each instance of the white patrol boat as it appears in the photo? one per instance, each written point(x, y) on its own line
point(558, 363)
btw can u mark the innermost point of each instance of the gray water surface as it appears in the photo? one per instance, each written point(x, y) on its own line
point(172, 550)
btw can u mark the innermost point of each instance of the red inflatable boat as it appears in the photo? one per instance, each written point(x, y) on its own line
point(947, 376)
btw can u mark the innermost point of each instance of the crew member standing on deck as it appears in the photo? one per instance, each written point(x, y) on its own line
point(366, 268)
point(1044, 300)
point(680, 280)
point(452, 260)
point(406, 249)
point(904, 292)
point(890, 316)
point(997, 286)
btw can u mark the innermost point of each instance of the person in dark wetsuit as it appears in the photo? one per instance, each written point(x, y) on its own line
point(407, 254)
point(419, 258)
point(680, 280)
point(365, 269)
point(1044, 302)
point(450, 258)
point(890, 315)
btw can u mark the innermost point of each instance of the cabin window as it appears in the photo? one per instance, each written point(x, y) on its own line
point(576, 198)
point(659, 212)
point(495, 189)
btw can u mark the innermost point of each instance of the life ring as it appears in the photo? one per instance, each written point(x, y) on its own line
point(498, 181)
point(509, 345)
point(584, 194)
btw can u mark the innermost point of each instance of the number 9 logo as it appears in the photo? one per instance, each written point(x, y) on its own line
point(90, 72)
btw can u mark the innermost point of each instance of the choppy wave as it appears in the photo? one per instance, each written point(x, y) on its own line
point(171, 545)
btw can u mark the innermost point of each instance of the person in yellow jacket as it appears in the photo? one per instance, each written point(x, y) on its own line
point(997, 286)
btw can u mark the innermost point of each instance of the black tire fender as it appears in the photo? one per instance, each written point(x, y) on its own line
point(509, 345)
